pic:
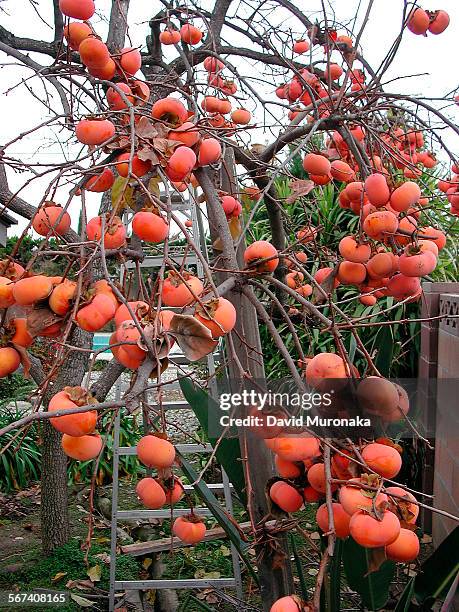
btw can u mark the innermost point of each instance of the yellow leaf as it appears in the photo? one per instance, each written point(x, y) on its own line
point(81, 601)
point(58, 576)
point(122, 194)
point(146, 563)
point(235, 227)
point(94, 573)
point(153, 186)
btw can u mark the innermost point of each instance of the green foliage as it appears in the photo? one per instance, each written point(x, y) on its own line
point(21, 457)
point(20, 463)
point(438, 571)
point(70, 559)
point(82, 471)
point(52, 266)
point(14, 388)
point(321, 209)
point(372, 587)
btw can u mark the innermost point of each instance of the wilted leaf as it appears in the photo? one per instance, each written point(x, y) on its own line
point(104, 557)
point(148, 154)
point(163, 145)
point(25, 360)
point(162, 342)
point(145, 128)
point(40, 318)
point(327, 285)
point(95, 572)
point(235, 228)
point(299, 188)
point(315, 535)
point(426, 539)
point(83, 585)
point(194, 338)
point(81, 601)
point(212, 598)
point(58, 576)
point(122, 194)
point(313, 571)
point(225, 551)
point(376, 557)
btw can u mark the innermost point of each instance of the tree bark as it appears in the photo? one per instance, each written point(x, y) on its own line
point(55, 527)
point(276, 579)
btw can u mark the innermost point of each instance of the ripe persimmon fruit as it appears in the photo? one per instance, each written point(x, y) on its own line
point(210, 151)
point(382, 459)
point(82, 448)
point(10, 360)
point(285, 496)
point(341, 520)
point(218, 315)
point(190, 34)
point(78, 9)
point(51, 219)
point(189, 529)
point(156, 452)
point(150, 226)
point(151, 493)
point(262, 249)
point(94, 53)
point(170, 37)
point(94, 131)
point(370, 532)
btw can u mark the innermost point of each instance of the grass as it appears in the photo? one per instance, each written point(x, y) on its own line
point(69, 560)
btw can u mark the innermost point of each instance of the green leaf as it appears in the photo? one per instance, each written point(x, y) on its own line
point(299, 568)
point(220, 515)
point(404, 603)
point(439, 570)
point(228, 452)
point(384, 345)
point(122, 194)
point(333, 579)
point(373, 588)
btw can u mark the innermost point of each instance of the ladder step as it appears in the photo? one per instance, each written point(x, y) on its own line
point(219, 486)
point(182, 448)
point(166, 513)
point(191, 583)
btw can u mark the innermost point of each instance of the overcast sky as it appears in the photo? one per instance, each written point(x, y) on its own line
point(434, 56)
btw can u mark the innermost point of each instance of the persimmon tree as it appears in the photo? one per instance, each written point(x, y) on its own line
point(181, 112)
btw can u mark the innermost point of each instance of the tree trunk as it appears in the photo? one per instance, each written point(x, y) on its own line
point(55, 529)
point(276, 578)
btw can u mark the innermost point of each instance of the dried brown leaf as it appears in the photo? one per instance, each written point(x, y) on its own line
point(299, 188)
point(193, 337)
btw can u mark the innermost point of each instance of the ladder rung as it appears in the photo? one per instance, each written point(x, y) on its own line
point(156, 261)
point(166, 513)
point(182, 448)
point(219, 486)
point(190, 583)
point(182, 360)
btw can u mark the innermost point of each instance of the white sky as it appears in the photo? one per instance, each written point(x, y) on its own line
point(434, 55)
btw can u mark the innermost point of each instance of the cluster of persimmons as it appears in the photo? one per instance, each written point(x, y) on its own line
point(388, 255)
